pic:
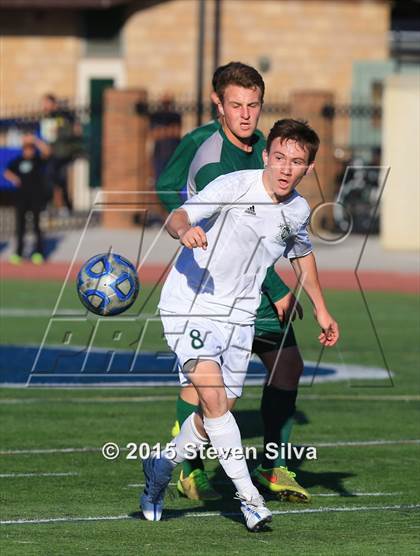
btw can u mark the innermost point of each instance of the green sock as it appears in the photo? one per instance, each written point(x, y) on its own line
point(183, 411)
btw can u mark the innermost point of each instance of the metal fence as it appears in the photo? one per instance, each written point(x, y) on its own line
point(357, 127)
point(356, 133)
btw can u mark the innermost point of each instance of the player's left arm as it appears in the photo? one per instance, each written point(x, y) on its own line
point(307, 275)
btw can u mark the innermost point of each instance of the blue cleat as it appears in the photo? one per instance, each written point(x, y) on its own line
point(158, 473)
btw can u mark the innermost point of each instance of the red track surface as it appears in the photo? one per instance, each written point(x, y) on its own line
point(335, 279)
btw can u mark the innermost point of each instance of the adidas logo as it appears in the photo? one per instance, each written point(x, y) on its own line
point(251, 210)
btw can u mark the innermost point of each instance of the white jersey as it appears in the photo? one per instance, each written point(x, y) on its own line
point(246, 233)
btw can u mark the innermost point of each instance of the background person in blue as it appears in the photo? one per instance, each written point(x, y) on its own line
point(27, 173)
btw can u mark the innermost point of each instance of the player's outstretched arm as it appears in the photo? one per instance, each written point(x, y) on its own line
point(307, 274)
point(179, 227)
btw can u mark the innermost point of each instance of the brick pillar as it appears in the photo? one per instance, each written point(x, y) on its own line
point(125, 161)
point(308, 105)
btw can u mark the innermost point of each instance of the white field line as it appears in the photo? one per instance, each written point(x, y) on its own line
point(166, 398)
point(27, 313)
point(48, 451)
point(18, 475)
point(316, 495)
point(338, 444)
point(140, 399)
point(351, 494)
point(361, 398)
point(38, 312)
point(140, 485)
point(362, 443)
point(211, 514)
point(355, 443)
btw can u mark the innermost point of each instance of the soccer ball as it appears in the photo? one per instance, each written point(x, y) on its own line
point(107, 284)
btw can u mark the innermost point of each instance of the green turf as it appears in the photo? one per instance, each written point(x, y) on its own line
point(43, 296)
point(388, 326)
point(86, 418)
point(64, 418)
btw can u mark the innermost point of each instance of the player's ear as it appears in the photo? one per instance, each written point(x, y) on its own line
point(310, 168)
point(265, 157)
point(214, 98)
point(218, 102)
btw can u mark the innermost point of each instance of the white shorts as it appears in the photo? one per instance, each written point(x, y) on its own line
point(200, 338)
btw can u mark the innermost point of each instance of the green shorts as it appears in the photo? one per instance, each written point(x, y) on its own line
point(265, 341)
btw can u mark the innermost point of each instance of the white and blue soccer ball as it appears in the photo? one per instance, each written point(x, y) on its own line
point(108, 284)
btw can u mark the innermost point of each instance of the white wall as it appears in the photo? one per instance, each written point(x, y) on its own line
point(91, 68)
point(400, 214)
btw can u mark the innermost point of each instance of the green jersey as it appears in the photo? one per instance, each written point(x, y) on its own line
point(171, 185)
point(203, 155)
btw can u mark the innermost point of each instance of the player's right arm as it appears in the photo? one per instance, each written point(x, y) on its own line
point(182, 223)
point(179, 227)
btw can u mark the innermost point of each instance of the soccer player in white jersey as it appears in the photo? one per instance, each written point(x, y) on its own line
point(232, 231)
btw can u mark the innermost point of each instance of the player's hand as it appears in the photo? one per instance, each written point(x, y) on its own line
point(194, 237)
point(288, 307)
point(330, 330)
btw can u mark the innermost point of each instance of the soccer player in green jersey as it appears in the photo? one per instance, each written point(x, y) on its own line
point(220, 147)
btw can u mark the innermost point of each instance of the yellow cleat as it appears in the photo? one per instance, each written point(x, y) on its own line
point(281, 481)
point(15, 259)
point(175, 429)
point(197, 486)
point(37, 258)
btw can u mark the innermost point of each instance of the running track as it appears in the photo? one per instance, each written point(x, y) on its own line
point(334, 279)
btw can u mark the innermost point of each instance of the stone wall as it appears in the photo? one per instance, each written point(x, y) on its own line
point(310, 44)
point(39, 52)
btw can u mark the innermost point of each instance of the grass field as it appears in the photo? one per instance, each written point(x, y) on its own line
point(56, 485)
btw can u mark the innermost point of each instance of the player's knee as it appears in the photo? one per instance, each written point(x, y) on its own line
point(288, 371)
point(213, 402)
point(189, 395)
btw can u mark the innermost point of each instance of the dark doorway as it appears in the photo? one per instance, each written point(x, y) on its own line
point(97, 88)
